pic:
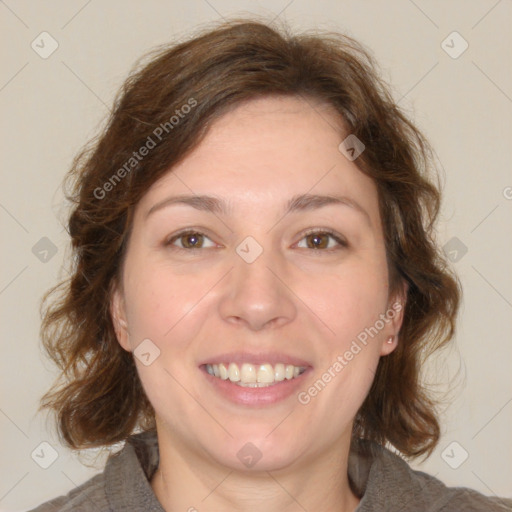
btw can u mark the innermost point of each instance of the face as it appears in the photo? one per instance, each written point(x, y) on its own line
point(276, 278)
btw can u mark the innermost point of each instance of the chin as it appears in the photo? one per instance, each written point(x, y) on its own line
point(254, 450)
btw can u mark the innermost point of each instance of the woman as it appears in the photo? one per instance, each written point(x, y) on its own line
point(255, 287)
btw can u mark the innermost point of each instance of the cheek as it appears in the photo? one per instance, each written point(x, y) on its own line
point(347, 301)
point(161, 304)
point(167, 309)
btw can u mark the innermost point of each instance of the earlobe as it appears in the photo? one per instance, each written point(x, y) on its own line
point(389, 345)
point(118, 315)
point(396, 309)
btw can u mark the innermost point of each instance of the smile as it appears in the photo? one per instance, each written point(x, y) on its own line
point(254, 375)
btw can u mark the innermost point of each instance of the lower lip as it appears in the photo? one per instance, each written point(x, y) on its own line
point(256, 396)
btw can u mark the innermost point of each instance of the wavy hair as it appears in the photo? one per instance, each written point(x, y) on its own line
point(98, 399)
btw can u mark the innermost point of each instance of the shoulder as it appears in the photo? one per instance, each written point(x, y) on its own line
point(387, 482)
point(123, 485)
point(88, 497)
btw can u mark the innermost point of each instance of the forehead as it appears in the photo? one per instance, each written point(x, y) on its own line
point(266, 151)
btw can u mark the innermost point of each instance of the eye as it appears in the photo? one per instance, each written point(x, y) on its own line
point(321, 240)
point(189, 240)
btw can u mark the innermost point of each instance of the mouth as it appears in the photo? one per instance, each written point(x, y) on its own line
point(254, 375)
point(256, 380)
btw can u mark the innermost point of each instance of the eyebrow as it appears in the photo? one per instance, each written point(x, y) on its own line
point(298, 203)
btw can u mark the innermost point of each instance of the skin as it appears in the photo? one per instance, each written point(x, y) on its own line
point(304, 301)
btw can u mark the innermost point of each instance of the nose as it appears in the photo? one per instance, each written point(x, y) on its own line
point(256, 295)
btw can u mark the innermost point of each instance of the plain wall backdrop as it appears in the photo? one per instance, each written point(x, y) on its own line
point(53, 103)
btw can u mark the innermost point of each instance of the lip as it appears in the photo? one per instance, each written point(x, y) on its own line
point(255, 397)
point(240, 357)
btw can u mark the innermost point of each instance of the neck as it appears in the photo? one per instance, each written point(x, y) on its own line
point(319, 484)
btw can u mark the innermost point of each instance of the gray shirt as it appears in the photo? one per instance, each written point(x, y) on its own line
point(383, 480)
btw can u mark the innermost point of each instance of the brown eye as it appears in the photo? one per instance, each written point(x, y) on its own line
point(318, 241)
point(321, 240)
point(190, 240)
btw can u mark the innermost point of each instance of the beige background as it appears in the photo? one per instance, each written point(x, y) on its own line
point(51, 107)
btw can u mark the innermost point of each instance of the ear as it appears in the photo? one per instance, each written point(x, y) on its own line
point(118, 315)
point(394, 315)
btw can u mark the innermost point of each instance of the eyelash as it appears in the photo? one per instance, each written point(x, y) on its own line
point(326, 232)
point(342, 243)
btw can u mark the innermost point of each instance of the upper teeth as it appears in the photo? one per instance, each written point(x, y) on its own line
point(251, 375)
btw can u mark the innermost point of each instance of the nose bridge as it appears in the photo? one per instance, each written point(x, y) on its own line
point(255, 295)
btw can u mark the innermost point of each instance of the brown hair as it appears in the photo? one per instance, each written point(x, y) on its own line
point(167, 106)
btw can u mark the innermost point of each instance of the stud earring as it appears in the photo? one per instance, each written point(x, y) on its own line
point(390, 340)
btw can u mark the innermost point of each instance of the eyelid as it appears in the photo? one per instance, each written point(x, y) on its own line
point(340, 239)
point(169, 241)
